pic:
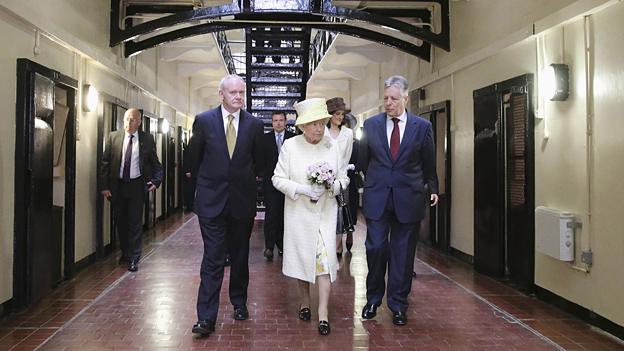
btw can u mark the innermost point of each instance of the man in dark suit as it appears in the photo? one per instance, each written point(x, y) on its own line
point(226, 144)
point(190, 175)
point(130, 168)
point(273, 199)
point(398, 157)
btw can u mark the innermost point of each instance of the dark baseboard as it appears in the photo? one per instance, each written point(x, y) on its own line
point(108, 249)
point(580, 312)
point(5, 307)
point(84, 263)
point(464, 257)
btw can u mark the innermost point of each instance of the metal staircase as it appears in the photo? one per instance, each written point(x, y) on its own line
point(277, 69)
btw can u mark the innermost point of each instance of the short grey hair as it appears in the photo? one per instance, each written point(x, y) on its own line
point(228, 78)
point(398, 82)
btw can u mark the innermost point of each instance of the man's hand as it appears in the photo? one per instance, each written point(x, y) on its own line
point(107, 194)
point(350, 167)
point(434, 199)
point(188, 174)
point(151, 186)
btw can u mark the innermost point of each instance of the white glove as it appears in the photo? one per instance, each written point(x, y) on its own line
point(350, 167)
point(313, 192)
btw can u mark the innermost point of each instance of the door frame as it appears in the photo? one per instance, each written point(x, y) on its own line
point(24, 131)
point(102, 250)
point(523, 83)
point(436, 108)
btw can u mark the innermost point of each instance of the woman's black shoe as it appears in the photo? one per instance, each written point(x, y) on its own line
point(349, 242)
point(324, 328)
point(305, 314)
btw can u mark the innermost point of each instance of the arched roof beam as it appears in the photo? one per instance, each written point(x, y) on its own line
point(317, 13)
point(423, 51)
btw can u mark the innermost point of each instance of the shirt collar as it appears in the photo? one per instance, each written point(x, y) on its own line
point(225, 113)
point(136, 135)
point(402, 117)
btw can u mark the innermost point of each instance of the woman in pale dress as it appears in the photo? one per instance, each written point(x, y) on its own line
point(310, 211)
point(343, 137)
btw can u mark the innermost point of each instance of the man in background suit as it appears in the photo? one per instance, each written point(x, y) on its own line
point(130, 168)
point(226, 145)
point(398, 157)
point(273, 199)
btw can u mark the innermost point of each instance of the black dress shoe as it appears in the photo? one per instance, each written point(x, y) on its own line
point(241, 313)
point(399, 318)
point(324, 328)
point(305, 313)
point(133, 266)
point(369, 311)
point(268, 254)
point(280, 251)
point(413, 274)
point(204, 327)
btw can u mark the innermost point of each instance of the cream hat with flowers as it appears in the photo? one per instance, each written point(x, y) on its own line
point(311, 110)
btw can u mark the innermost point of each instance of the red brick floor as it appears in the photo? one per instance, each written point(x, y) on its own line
point(451, 308)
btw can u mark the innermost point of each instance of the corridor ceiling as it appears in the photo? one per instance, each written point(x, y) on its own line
point(207, 39)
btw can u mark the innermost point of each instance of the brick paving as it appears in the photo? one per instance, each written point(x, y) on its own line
point(451, 308)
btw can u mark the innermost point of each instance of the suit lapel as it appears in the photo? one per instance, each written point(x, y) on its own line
point(274, 147)
point(217, 122)
point(141, 148)
point(408, 135)
point(383, 135)
point(243, 125)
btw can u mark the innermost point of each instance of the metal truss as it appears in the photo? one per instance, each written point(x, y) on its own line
point(321, 14)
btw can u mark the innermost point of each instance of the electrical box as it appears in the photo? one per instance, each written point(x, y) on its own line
point(554, 233)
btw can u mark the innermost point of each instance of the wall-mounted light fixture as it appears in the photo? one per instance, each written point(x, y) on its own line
point(557, 82)
point(90, 98)
point(163, 126)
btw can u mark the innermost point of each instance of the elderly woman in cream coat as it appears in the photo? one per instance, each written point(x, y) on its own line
point(310, 211)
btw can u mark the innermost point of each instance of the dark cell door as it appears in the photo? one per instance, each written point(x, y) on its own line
point(504, 233)
point(488, 205)
point(44, 243)
point(435, 227)
point(111, 120)
point(171, 170)
point(150, 125)
point(519, 189)
point(39, 233)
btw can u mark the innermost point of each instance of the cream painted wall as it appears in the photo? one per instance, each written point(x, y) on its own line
point(17, 41)
point(74, 24)
point(478, 23)
point(561, 171)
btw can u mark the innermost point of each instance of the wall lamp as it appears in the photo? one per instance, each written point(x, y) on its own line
point(90, 98)
point(163, 126)
point(557, 82)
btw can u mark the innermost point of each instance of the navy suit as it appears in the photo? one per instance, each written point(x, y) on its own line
point(225, 203)
point(273, 199)
point(128, 198)
point(392, 204)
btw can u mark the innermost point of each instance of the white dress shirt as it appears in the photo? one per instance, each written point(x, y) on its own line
point(390, 126)
point(235, 121)
point(135, 166)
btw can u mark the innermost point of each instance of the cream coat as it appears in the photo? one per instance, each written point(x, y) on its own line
point(344, 140)
point(304, 219)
